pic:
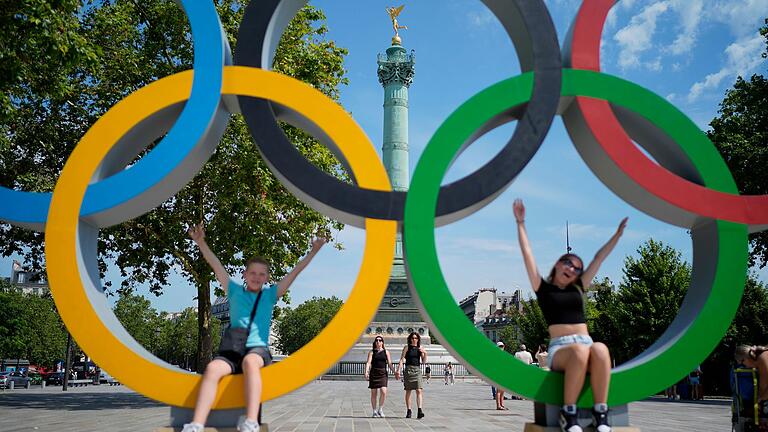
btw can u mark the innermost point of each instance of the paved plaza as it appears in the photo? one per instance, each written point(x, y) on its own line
point(340, 406)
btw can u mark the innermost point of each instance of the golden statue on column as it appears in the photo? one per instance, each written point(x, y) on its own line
point(393, 13)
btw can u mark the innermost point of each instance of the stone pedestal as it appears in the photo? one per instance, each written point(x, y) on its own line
point(547, 418)
point(225, 420)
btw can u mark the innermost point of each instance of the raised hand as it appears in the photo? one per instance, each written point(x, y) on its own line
point(519, 209)
point(622, 225)
point(197, 232)
point(318, 242)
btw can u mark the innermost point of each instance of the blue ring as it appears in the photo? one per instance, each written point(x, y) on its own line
point(211, 53)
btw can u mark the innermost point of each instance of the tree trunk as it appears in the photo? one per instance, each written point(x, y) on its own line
point(203, 326)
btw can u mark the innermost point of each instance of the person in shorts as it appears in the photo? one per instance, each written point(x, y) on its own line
point(242, 299)
point(571, 349)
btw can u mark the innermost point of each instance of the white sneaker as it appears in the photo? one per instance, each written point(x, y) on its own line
point(193, 427)
point(249, 426)
point(374, 414)
point(380, 412)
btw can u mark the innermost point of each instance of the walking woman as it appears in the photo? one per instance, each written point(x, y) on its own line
point(376, 374)
point(413, 355)
point(571, 350)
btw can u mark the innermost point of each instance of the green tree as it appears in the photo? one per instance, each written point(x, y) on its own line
point(139, 318)
point(30, 327)
point(648, 298)
point(511, 337)
point(298, 326)
point(531, 325)
point(247, 211)
point(740, 132)
point(601, 309)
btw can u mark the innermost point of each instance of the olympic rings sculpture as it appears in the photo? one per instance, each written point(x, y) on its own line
point(691, 187)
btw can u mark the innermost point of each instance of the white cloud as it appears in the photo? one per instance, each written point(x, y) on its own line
point(477, 244)
point(743, 56)
point(636, 38)
point(690, 15)
point(742, 16)
point(481, 18)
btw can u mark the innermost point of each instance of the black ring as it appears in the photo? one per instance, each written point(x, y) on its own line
point(533, 34)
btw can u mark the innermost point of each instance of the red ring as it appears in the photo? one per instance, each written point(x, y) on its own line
point(599, 117)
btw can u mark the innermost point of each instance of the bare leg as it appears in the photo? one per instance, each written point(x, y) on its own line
point(382, 396)
point(408, 399)
point(419, 397)
point(599, 371)
point(214, 372)
point(373, 399)
point(572, 359)
point(252, 364)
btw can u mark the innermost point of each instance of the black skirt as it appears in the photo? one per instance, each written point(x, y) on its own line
point(377, 378)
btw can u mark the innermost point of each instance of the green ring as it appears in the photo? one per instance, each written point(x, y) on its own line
point(638, 381)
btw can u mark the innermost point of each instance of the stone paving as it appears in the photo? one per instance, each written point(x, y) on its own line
point(332, 406)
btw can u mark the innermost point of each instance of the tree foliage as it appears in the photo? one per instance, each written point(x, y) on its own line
point(531, 325)
point(115, 48)
point(139, 319)
point(171, 337)
point(740, 132)
point(30, 327)
point(648, 297)
point(299, 326)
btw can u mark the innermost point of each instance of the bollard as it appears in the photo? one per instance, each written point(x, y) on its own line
point(42, 384)
point(10, 384)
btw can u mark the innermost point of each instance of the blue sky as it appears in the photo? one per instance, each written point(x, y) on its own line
point(687, 51)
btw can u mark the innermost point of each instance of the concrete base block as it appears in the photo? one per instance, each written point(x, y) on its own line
point(532, 427)
point(549, 415)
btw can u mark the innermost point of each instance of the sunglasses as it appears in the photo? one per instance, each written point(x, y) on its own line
point(379, 340)
point(567, 262)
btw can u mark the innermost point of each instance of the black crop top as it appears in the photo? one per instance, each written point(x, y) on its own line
point(561, 305)
point(413, 356)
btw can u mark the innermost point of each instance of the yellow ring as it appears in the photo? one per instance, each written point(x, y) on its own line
point(147, 374)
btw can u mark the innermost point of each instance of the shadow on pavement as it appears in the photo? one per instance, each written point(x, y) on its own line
point(713, 402)
point(77, 401)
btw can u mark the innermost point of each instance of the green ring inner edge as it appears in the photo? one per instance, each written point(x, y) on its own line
point(688, 349)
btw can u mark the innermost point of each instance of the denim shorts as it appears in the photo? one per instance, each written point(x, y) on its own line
point(563, 341)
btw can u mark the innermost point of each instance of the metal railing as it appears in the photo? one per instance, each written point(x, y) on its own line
point(358, 368)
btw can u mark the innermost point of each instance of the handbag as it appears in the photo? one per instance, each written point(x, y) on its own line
point(234, 339)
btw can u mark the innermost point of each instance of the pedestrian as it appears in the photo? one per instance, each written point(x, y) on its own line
point(571, 349)
point(753, 356)
point(247, 351)
point(376, 374)
point(448, 373)
point(694, 379)
point(523, 355)
point(413, 356)
point(500, 391)
point(541, 356)
point(427, 374)
point(671, 392)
